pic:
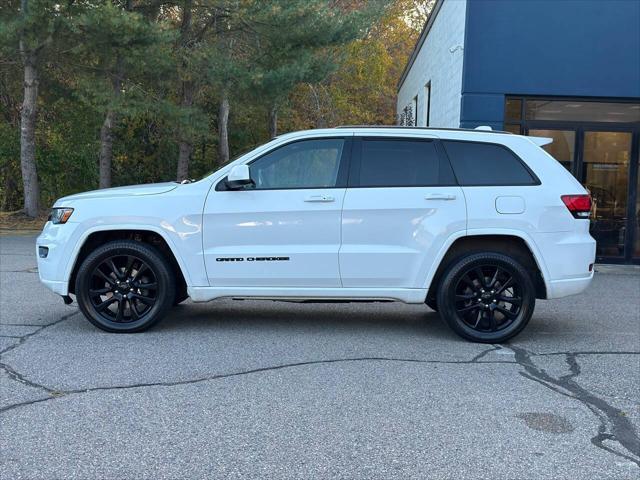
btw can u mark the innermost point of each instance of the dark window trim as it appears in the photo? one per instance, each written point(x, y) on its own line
point(534, 177)
point(518, 96)
point(341, 179)
point(524, 122)
point(356, 161)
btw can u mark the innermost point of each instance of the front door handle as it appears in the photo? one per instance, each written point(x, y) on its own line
point(440, 196)
point(319, 198)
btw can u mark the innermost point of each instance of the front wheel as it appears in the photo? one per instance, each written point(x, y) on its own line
point(486, 297)
point(125, 286)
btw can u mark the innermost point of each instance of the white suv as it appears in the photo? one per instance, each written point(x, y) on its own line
point(477, 224)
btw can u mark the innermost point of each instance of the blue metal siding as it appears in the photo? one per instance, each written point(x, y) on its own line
point(582, 48)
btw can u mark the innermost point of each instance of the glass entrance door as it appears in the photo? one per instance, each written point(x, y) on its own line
point(605, 172)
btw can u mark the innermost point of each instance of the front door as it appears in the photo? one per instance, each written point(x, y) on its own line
point(284, 231)
point(401, 205)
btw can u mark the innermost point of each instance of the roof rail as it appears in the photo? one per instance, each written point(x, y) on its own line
point(483, 129)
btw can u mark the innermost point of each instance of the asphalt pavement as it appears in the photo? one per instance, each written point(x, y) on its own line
point(258, 389)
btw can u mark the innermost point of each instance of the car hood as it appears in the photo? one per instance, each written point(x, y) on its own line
point(129, 191)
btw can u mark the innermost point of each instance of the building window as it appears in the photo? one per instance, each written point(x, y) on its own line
point(427, 103)
point(415, 110)
point(518, 110)
point(563, 146)
point(595, 141)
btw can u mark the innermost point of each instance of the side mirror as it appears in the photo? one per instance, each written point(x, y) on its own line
point(238, 177)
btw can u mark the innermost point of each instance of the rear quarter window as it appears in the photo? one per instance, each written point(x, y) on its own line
point(484, 164)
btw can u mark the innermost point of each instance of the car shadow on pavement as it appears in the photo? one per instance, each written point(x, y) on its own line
point(257, 315)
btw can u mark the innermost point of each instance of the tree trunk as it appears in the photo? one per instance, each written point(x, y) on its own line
point(273, 121)
point(185, 145)
point(106, 132)
point(106, 149)
point(223, 136)
point(28, 166)
point(11, 197)
point(184, 155)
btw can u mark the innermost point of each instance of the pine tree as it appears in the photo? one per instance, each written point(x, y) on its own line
point(299, 42)
point(118, 48)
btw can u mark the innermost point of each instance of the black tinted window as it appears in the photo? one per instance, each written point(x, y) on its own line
point(305, 164)
point(402, 163)
point(486, 164)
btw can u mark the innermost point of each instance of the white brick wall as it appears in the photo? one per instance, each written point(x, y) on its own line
point(436, 63)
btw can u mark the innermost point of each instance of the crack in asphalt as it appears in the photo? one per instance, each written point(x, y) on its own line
point(37, 325)
point(614, 425)
point(17, 376)
point(27, 336)
point(63, 393)
point(485, 352)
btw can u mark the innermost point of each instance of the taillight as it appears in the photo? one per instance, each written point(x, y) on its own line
point(578, 205)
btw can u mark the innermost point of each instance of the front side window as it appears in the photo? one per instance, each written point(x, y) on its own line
point(304, 164)
point(478, 164)
point(388, 162)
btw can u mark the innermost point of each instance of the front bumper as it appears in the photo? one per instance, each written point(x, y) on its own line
point(53, 269)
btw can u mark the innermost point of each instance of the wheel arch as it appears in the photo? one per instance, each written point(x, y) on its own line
point(513, 243)
point(146, 234)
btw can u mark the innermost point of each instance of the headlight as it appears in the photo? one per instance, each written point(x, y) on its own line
point(60, 215)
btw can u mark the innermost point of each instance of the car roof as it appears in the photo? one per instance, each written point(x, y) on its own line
point(481, 134)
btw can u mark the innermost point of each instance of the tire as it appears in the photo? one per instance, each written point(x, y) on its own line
point(125, 286)
point(486, 297)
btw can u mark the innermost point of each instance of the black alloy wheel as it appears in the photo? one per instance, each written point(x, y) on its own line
point(125, 286)
point(486, 297)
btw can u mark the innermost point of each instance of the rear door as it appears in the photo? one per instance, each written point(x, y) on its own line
point(401, 205)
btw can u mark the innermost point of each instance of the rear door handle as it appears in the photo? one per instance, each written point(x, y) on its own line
point(319, 198)
point(440, 196)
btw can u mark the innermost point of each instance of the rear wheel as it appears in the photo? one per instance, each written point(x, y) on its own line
point(125, 286)
point(486, 297)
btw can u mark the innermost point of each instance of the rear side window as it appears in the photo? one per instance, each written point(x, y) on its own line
point(477, 164)
point(387, 162)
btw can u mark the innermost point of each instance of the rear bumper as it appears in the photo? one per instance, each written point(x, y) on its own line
point(567, 287)
point(568, 259)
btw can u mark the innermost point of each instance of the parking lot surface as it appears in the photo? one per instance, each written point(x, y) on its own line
point(257, 389)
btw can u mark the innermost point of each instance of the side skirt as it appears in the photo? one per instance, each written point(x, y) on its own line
point(405, 295)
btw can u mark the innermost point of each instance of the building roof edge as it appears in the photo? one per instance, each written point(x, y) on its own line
point(421, 39)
